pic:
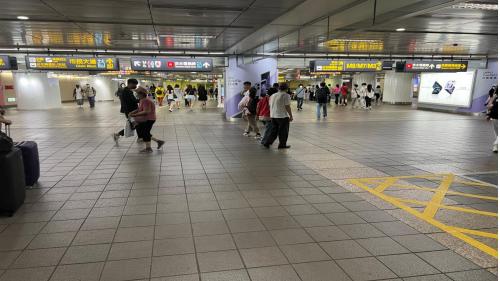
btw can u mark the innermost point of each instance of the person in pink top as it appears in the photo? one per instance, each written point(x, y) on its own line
point(145, 117)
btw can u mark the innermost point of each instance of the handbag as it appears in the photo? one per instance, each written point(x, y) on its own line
point(128, 131)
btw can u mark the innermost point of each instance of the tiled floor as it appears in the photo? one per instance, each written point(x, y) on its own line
point(215, 206)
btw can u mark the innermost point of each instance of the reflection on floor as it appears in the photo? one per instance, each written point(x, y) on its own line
point(215, 205)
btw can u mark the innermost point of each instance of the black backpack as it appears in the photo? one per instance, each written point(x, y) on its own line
point(322, 95)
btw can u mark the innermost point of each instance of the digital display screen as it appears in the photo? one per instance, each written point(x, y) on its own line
point(171, 64)
point(344, 66)
point(452, 89)
point(71, 63)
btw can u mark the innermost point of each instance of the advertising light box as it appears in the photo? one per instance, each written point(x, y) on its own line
point(77, 63)
point(8, 63)
point(451, 89)
point(433, 66)
point(171, 64)
point(319, 66)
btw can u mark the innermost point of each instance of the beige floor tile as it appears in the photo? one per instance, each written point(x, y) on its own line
point(19, 229)
point(209, 228)
point(87, 253)
point(299, 253)
point(172, 218)
point(130, 250)
point(173, 265)
point(327, 233)
point(256, 257)
point(52, 240)
point(231, 275)
point(98, 236)
point(28, 274)
point(214, 243)
point(173, 231)
point(320, 271)
point(190, 277)
point(246, 225)
point(291, 236)
point(62, 226)
point(128, 234)
point(218, 261)
point(78, 272)
point(253, 239)
point(6, 258)
point(126, 270)
point(10, 243)
point(273, 273)
point(175, 246)
point(39, 257)
point(100, 223)
point(137, 220)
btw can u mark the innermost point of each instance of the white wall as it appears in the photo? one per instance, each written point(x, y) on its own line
point(105, 88)
point(397, 87)
point(36, 91)
point(364, 77)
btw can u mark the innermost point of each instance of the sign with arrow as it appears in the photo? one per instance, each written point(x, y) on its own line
point(434, 66)
point(75, 63)
point(171, 64)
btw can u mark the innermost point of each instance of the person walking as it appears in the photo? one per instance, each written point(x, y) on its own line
point(128, 103)
point(170, 97)
point(190, 97)
point(378, 94)
point(363, 95)
point(281, 116)
point(160, 95)
point(370, 93)
point(78, 95)
point(300, 94)
point(248, 106)
point(336, 94)
point(178, 96)
point(492, 115)
point(264, 115)
point(355, 96)
point(90, 93)
point(145, 117)
point(202, 96)
point(321, 100)
point(246, 88)
point(343, 94)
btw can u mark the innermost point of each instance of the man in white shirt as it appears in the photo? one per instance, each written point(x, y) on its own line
point(281, 116)
point(246, 88)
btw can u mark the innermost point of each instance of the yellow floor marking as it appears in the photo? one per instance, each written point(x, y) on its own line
point(385, 185)
point(476, 232)
point(433, 207)
point(449, 192)
point(449, 207)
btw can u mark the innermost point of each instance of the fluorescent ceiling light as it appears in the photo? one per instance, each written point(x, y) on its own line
point(400, 29)
point(23, 18)
point(476, 6)
point(187, 35)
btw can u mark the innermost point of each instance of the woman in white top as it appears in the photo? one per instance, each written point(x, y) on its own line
point(170, 97)
point(355, 96)
point(178, 95)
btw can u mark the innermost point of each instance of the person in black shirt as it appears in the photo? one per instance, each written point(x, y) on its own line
point(322, 96)
point(128, 103)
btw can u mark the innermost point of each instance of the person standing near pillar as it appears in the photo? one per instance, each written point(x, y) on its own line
point(281, 116)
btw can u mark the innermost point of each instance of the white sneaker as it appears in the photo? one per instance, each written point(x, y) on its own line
point(246, 134)
point(495, 148)
point(258, 137)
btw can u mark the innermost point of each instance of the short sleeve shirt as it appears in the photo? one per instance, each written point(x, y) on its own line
point(277, 102)
point(148, 104)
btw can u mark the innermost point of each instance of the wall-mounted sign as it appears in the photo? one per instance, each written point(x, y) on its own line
point(387, 65)
point(8, 63)
point(434, 66)
point(71, 63)
point(171, 64)
point(344, 66)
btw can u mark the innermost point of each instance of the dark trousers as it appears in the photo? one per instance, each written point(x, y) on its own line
point(337, 98)
point(368, 101)
point(279, 129)
point(144, 130)
point(300, 102)
point(268, 128)
point(91, 101)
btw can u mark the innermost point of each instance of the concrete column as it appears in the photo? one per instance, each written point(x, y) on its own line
point(364, 77)
point(398, 88)
point(36, 91)
point(105, 88)
point(237, 72)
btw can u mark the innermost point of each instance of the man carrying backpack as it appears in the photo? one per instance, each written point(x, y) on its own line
point(90, 94)
point(322, 95)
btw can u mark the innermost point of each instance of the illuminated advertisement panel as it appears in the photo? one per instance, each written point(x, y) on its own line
point(451, 89)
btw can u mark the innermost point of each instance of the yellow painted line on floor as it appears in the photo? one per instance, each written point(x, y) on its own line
point(386, 184)
point(448, 229)
point(431, 209)
point(449, 207)
point(449, 192)
point(476, 232)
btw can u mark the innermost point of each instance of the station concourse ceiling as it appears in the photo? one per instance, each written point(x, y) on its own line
point(442, 27)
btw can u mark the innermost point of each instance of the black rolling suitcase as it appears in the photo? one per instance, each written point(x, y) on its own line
point(12, 187)
point(31, 161)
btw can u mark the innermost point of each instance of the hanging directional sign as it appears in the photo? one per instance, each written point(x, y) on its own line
point(344, 66)
point(436, 66)
point(171, 64)
point(71, 63)
point(8, 63)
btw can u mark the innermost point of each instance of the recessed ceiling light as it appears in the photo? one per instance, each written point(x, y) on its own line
point(400, 29)
point(23, 18)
